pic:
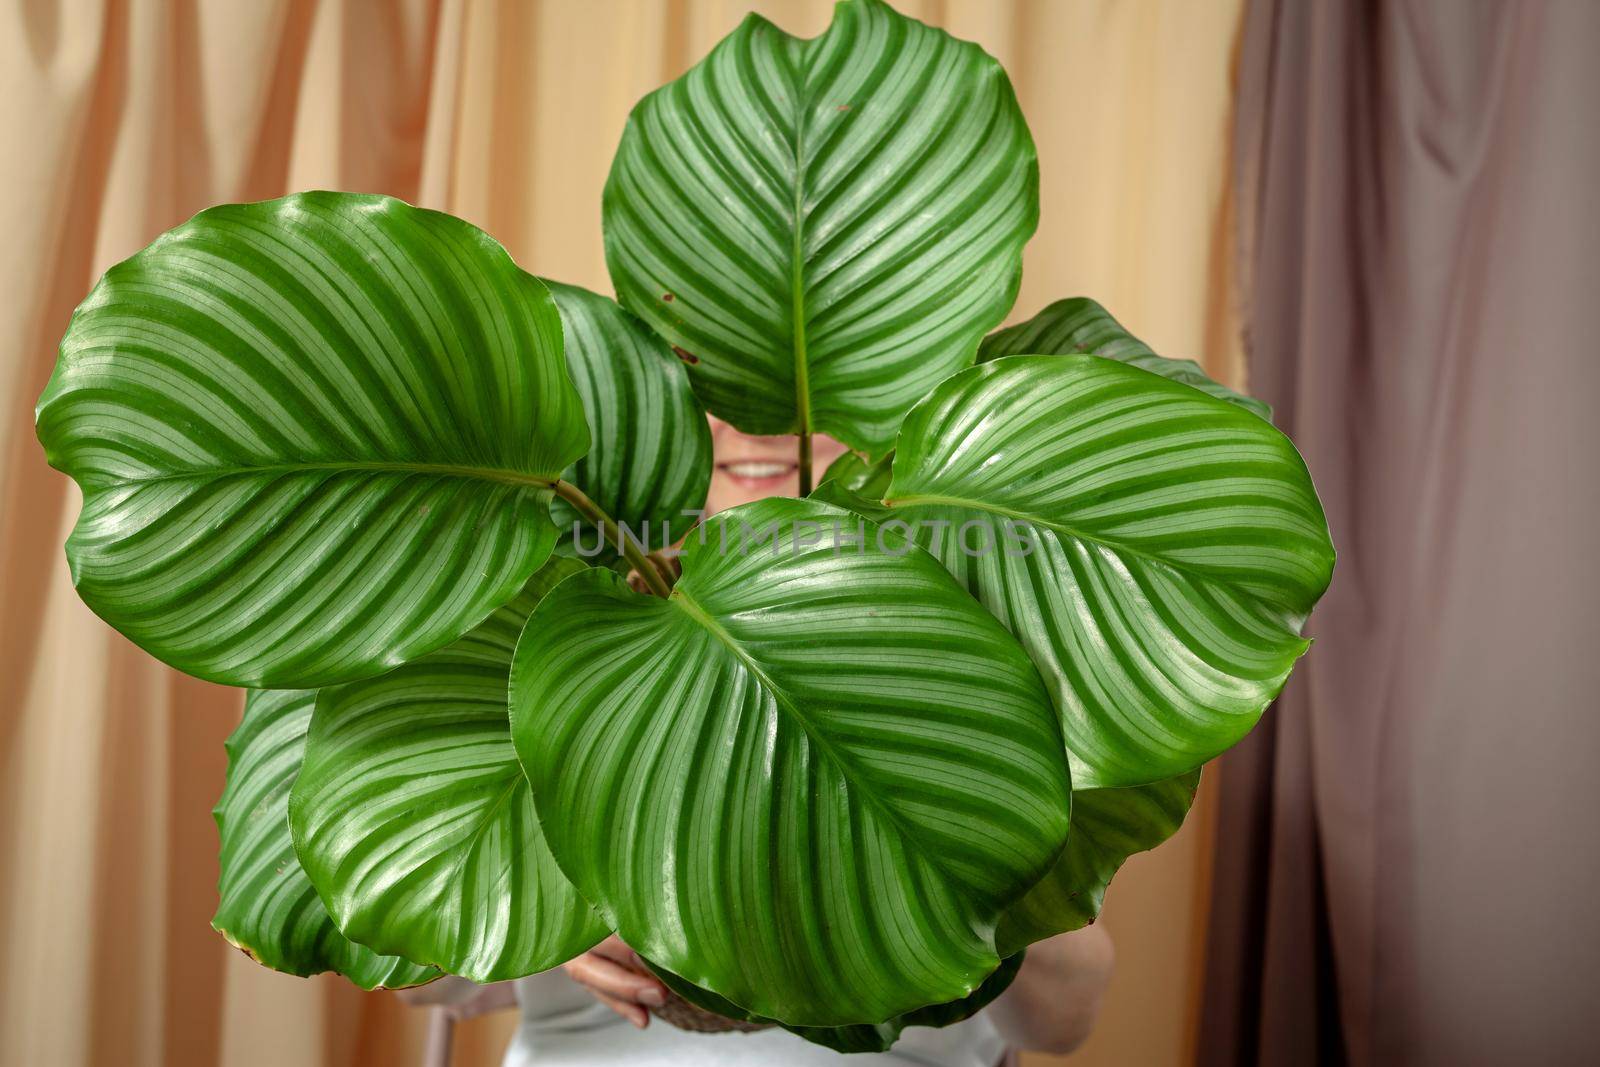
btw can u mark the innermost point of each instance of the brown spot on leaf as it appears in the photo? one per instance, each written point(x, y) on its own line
point(667, 297)
point(842, 107)
point(687, 357)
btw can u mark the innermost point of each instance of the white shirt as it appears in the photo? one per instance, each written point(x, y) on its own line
point(563, 1026)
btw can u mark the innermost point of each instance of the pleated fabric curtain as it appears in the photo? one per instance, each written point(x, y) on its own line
point(1406, 851)
point(121, 118)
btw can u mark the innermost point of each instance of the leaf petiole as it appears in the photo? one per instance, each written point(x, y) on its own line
point(631, 550)
point(805, 462)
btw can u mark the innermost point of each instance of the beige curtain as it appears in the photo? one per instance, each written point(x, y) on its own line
point(120, 118)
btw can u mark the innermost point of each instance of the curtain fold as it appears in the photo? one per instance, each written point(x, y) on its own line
point(121, 118)
point(1404, 854)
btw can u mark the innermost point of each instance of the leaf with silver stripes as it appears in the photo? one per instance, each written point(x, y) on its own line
point(1177, 546)
point(810, 781)
point(266, 905)
point(650, 461)
point(824, 228)
point(1108, 826)
point(316, 437)
point(414, 820)
point(1080, 326)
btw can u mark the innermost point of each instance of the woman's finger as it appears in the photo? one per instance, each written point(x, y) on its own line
point(614, 948)
point(631, 1012)
point(613, 979)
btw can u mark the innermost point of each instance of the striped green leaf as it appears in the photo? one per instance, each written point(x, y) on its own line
point(1177, 546)
point(863, 1037)
point(650, 461)
point(267, 906)
point(810, 781)
point(414, 820)
point(315, 436)
point(1080, 326)
point(825, 228)
point(1108, 826)
point(1076, 326)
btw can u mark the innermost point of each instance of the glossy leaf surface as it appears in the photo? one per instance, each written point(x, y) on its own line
point(416, 824)
point(267, 906)
point(315, 437)
point(826, 227)
point(650, 461)
point(810, 781)
point(1178, 546)
point(1108, 826)
point(1080, 326)
point(864, 1037)
point(858, 476)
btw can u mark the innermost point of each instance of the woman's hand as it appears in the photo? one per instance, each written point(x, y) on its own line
point(617, 978)
point(1053, 1004)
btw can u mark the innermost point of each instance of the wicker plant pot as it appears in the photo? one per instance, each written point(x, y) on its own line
point(686, 1016)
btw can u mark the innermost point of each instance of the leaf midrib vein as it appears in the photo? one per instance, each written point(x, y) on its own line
point(1115, 547)
point(695, 611)
point(485, 474)
point(464, 849)
point(467, 846)
point(797, 281)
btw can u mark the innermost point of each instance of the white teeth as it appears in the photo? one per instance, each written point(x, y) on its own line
point(755, 468)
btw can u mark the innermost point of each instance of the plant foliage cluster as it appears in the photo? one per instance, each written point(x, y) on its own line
point(331, 447)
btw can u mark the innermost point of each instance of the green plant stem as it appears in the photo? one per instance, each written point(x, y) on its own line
point(797, 308)
point(805, 463)
point(663, 567)
point(642, 564)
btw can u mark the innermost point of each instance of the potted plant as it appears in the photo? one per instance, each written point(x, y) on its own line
point(842, 766)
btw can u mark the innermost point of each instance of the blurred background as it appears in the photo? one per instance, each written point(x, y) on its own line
point(1379, 217)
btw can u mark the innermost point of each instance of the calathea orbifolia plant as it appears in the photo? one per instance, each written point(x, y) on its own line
point(870, 744)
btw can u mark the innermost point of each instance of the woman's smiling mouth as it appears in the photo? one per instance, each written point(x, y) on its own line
point(758, 473)
point(752, 466)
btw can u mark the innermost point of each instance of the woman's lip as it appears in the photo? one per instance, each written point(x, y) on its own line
point(758, 472)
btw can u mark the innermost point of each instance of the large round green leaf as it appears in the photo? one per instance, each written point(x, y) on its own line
point(650, 461)
point(810, 781)
point(315, 436)
point(1080, 326)
point(825, 227)
point(863, 1037)
point(267, 906)
point(414, 820)
point(1108, 826)
point(1177, 546)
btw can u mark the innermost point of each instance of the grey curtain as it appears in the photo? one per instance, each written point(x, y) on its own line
point(1409, 849)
